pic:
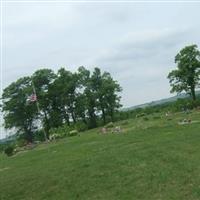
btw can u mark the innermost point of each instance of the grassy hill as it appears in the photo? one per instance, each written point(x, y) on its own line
point(154, 158)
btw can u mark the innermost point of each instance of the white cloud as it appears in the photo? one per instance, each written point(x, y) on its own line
point(135, 42)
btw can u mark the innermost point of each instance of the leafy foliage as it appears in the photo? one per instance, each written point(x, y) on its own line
point(18, 113)
point(186, 77)
point(9, 150)
point(79, 100)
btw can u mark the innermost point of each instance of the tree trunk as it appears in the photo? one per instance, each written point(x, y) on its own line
point(84, 119)
point(193, 93)
point(92, 117)
point(112, 115)
point(103, 116)
point(66, 118)
point(47, 127)
point(73, 116)
point(28, 135)
point(102, 110)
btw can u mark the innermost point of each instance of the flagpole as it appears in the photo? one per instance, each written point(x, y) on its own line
point(38, 108)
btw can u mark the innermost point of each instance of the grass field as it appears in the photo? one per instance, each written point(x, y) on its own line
point(154, 159)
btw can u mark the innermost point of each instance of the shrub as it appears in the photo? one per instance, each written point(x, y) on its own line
point(39, 135)
point(140, 115)
point(80, 126)
point(54, 136)
point(169, 119)
point(9, 150)
point(66, 131)
point(59, 132)
point(73, 133)
point(125, 122)
point(2, 147)
point(21, 142)
point(156, 117)
point(145, 118)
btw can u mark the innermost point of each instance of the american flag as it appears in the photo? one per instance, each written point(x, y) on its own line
point(32, 98)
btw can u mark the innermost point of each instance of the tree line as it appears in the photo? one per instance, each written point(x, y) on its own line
point(87, 97)
point(90, 98)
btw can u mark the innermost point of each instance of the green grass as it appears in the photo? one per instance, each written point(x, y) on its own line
point(155, 159)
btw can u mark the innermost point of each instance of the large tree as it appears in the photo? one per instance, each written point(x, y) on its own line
point(101, 92)
point(106, 92)
point(67, 83)
point(186, 76)
point(110, 93)
point(18, 112)
point(42, 79)
point(89, 94)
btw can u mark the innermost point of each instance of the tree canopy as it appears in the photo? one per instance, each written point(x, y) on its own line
point(186, 76)
point(91, 98)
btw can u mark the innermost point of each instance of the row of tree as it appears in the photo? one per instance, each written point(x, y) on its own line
point(62, 98)
point(91, 98)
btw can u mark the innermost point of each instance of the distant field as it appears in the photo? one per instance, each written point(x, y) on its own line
point(154, 159)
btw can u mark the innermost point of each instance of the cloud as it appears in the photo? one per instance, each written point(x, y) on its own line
point(144, 53)
point(136, 43)
point(141, 60)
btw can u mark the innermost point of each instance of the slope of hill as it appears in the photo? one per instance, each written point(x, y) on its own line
point(154, 159)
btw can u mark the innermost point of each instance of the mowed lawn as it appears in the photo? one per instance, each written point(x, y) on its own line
point(153, 159)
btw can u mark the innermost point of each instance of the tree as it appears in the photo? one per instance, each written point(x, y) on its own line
point(106, 93)
point(186, 77)
point(67, 83)
point(110, 91)
point(42, 79)
point(90, 98)
point(18, 113)
point(97, 87)
point(101, 93)
point(80, 105)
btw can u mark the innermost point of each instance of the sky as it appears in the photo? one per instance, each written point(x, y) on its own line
point(135, 42)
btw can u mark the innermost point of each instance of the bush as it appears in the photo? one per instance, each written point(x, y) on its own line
point(21, 142)
point(64, 131)
point(80, 126)
point(125, 122)
point(54, 136)
point(39, 135)
point(2, 147)
point(140, 115)
point(145, 118)
point(73, 133)
point(59, 132)
point(9, 150)
point(169, 119)
point(156, 117)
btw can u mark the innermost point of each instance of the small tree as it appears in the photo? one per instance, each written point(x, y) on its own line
point(186, 77)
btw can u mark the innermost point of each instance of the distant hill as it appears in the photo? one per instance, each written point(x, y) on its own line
point(160, 102)
point(8, 139)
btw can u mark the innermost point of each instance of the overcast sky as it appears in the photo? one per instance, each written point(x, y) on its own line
point(135, 42)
